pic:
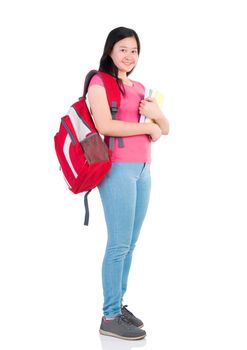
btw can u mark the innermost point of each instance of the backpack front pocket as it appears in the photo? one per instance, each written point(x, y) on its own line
point(95, 148)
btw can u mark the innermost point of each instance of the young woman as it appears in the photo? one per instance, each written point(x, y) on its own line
point(125, 190)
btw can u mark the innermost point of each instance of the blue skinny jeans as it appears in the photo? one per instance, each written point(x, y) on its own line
point(124, 193)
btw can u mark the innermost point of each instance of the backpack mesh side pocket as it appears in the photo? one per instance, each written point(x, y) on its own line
point(95, 148)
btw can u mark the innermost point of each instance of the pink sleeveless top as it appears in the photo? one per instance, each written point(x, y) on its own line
point(136, 148)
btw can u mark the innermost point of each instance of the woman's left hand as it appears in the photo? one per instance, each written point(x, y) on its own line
point(150, 108)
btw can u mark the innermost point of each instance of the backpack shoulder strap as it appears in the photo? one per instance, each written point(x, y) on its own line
point(114, 100)
point(112, 88)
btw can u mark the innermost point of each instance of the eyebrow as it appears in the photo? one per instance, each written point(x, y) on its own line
point(126, 47)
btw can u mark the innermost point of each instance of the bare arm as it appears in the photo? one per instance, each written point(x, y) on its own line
point(163, 123)
point(106, 126)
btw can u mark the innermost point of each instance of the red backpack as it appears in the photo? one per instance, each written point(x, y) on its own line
point(84, 157)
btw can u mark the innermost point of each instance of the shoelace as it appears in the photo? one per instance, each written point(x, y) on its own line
point(125, 308)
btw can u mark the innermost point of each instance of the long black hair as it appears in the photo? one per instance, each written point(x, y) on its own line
point(106, 63)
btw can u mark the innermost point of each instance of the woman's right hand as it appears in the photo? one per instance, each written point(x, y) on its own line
point(155, 132)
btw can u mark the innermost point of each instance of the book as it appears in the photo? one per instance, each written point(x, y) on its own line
point(158, 96)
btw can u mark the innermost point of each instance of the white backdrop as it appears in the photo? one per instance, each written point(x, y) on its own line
point(188, 280)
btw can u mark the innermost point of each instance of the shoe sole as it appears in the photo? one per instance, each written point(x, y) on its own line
point(119, 336)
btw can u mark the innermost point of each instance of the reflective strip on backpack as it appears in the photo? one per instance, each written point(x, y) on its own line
point(66, 145)
point(80, 128)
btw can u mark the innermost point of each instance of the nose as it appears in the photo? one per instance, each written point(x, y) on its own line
point(129, 55)
point(128, 58)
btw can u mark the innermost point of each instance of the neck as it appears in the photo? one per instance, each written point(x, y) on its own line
point(122, 75)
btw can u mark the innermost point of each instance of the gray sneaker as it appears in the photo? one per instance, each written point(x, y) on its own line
point(121, 328)
point(130, 317)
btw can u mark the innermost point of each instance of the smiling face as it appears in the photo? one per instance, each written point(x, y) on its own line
point(125, 55)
